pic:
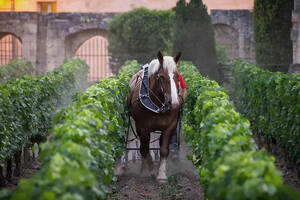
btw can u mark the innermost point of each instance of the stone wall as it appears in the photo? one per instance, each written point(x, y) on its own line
point(234, 28)
point(48, 39)
point(24, 27)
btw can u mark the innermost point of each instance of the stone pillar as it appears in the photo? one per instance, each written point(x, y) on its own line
point(29, 39)
point(41, 55)
point(29, 49)
point(296, 5)
point(295, 37)
point(56, 41)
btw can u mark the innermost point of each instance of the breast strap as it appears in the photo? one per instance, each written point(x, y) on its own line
point(144, 92)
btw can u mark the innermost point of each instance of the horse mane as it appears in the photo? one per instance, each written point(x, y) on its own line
point(169, 64)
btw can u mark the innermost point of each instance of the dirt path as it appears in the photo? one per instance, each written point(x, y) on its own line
point(27, 172)
point(184, 183)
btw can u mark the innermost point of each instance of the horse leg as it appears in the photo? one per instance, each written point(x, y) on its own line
point(144, 149)
point(164, 152)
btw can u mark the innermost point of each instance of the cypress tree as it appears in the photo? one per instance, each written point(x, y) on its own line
point(194, 36)
point(272, 32)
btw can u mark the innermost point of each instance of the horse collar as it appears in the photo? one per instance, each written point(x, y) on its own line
point(144, 93)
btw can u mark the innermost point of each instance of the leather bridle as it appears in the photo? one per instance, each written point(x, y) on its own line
point(165, 106)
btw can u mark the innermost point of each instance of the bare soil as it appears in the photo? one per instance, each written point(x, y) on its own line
point(27, 172)
point(183, 181)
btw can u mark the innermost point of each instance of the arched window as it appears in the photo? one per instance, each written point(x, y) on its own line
point(10, 48)
point(94, 52)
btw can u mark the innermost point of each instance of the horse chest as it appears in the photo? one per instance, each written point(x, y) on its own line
point(154, 121)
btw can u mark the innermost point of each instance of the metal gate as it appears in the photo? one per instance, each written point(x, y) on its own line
point(94, 52)
point(10, 48)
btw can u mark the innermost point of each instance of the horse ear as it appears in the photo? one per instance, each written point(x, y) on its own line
point(177, 57)
point(160, 58)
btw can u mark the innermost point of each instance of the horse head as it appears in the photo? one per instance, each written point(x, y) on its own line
point(164, 81)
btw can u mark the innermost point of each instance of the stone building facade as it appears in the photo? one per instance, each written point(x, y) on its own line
point(48, 39)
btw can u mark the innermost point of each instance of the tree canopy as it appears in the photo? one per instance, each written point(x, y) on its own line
point(194, 36)
point(139, 34)
point(272, 31)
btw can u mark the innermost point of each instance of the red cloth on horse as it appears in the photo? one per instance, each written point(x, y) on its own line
point(181, 81)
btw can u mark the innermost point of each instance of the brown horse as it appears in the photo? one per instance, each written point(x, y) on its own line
point(163, 93)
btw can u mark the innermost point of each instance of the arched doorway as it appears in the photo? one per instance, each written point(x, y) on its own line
point(228, 37)
point(94, 52)
point(10, 48)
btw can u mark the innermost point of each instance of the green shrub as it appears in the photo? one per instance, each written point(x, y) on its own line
point(272, 33)
point(27, 105)
point(194, 36)
point(78, 161)
point(139, 34)
point(271, 101)
point(15, 69)
point(226, 157)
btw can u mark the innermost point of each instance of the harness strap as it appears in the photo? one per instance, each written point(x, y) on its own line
point(144, 93)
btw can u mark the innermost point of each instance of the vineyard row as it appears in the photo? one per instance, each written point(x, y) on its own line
point(226, 157)
point(78, 161)
point(27, 105)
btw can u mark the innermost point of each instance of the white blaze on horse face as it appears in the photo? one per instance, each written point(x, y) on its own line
point(174, 94)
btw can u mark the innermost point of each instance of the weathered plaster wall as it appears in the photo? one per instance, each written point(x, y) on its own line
point(119, 5)
point(235, 28)
point(123, 6)
point(227, 37)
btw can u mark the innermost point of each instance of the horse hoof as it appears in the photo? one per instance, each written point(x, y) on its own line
point(162, 181)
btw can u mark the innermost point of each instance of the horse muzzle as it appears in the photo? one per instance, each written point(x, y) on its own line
point(175, 106)
point(171, 106)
